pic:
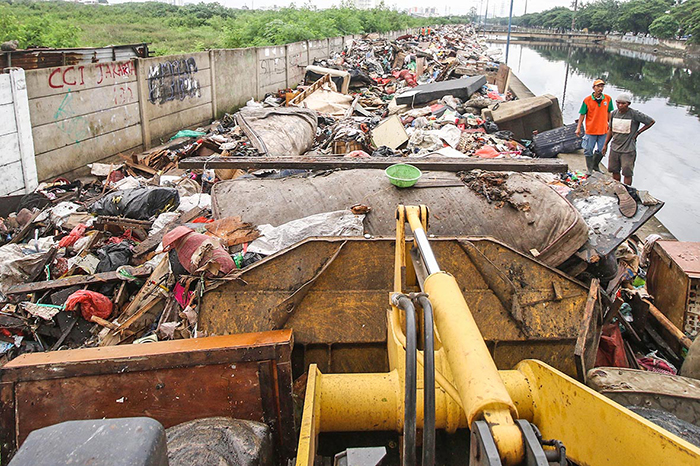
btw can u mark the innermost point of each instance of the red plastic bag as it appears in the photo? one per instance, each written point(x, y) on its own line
point(91, 304)
point(487, 152)
point(74, 235)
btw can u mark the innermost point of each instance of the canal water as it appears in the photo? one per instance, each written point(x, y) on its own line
point(668, 155)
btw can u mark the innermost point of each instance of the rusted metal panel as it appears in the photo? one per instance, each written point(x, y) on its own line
point(589, 332)
point(240, 376)
point(683, 253)
point(333, 292)
point(669, 285)
point(31, 59)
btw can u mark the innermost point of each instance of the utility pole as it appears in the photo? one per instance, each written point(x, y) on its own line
point(510, 20)
point(573, 16)
point(486, 15)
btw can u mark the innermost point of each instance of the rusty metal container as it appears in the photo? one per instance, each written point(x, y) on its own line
point(673, 279)
point(334, 294)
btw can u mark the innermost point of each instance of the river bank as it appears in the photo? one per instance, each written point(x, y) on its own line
point(668, 163)
point(671, 52)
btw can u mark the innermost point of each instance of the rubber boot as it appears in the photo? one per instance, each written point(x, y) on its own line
point(589, 164)
point(597, 157)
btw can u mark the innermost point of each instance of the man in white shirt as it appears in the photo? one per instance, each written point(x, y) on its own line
point(623, 131)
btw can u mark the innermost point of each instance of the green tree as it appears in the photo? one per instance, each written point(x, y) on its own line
point(637, 15)
point(664, 27)
point(10, 28)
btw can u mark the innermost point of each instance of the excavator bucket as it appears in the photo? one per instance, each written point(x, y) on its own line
point(333, 293)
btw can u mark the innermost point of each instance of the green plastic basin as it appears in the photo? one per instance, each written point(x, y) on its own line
point(403, 175)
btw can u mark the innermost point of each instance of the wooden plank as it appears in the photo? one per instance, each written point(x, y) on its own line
point(285, 383)
point(164, 382)
point(23, 232)
point(12, 322)
point(171, 396)
point(667, 325)
point(428, 163)
point(133, 358)
point(77, 280)
point(7, 422)
point(589, 332)
point(268, 398)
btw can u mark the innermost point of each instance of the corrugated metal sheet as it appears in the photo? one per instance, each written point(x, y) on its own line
point(46, 58)
point(685, 254)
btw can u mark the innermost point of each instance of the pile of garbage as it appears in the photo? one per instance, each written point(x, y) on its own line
point(126, 255)
point(416, 96)
point(635, 333)
point(122, 259)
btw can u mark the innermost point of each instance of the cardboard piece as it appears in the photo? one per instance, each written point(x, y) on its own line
point(390, 133)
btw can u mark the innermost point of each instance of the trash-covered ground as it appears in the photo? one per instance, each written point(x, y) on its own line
point(125, 255)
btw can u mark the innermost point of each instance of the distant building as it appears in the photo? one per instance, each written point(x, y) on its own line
point(423, 12)
point(364, 4)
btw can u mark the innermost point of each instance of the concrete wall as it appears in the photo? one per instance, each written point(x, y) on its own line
point(89, 113)
point(271, 69)
point(297, 60)
point(674, 44)
point(235, 82)
point(318, 50)
point(178, 94)
point(17, 165)
point(82, 114)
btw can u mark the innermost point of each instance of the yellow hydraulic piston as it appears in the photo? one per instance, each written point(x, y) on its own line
point(481, 390)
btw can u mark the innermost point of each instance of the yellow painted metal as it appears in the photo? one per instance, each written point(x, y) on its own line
point(400, 253)
point(310, 421)
point(481, 389)
point(595, 430)
point(361, 402)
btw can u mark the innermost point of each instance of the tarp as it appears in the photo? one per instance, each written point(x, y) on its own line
point(551, 226)
point(276, 238)
point(279, 131)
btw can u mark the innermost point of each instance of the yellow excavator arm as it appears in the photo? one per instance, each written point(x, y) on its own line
point(531, 415)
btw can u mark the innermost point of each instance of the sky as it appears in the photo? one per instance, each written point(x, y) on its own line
point(496, 7)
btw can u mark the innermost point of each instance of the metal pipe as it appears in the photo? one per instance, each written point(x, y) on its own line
point(426, 251)
point(404, 303)
point(428, 382)
point(421, 240)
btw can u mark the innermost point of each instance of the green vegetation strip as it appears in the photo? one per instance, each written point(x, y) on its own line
point(191, 28)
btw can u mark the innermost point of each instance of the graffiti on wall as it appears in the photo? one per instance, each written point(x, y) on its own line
point(73, 76)
point(173, 80)
point(68, 120)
